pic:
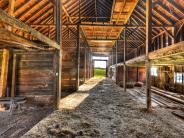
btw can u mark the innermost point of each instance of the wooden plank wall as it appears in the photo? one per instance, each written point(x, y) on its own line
point(35, 73)
point(1, 54)
point(82, 72)
point(69, 65)
point(69, 70)
point(134, 74)
point(165, 78)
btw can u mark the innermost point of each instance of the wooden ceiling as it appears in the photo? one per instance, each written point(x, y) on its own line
point(106, 35)
point(39, 14)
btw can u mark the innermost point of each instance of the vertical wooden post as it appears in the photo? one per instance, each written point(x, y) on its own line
point(11, 6)
point(107, 65)
point(59, 41)
point(90, 65)
point(148, 45)
point(166, 39)
point(116, 68)
point(162, 41)
point(124, 65)
point(88, 62)
point(78, 57)
point(137, 74)
point(13, 85)
point(85, 62)
point(158, 42)
point(173, 33)
point(112, 56)
point(4, 72)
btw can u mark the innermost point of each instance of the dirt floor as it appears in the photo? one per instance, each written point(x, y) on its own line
point(20, 121)
point(101, 109)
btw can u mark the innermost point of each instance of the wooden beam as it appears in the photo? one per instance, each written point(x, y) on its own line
point(13, 83)
point(6, 18)
point(85, 49)
point(78, 58)
point(9, 75)
point(124, 62)
point(172, 53)
point(110, 39)
point(171, 35)
point(122, 25)
point(88, 63)
point(148, 46)
point(14, 40)
point(11, 7)
point(112, 57)
point(116, 50)
point(4, 72)
point(59, 53)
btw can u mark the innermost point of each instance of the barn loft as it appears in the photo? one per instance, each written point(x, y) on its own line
point(52, 50)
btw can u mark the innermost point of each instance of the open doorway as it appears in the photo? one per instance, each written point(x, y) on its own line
point(100, 66)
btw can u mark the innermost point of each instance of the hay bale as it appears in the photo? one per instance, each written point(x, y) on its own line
point(130, 85)
point(139, 84)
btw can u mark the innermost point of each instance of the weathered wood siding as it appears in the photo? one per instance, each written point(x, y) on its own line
point(69, 65)
point(35, 73)
point(0, 67)
point(134, 74)
point(69, 69)
point(165, 78)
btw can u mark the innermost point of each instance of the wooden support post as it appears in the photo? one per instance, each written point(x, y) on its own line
point(124, 63)
point(166, 39)
point(158, 42)
point(88, 64)
point(59, 41)
point(4, 72)
point(85, 62)
point(91, 66)
point(13, 83)
point(78, 57)
point(162, 41)
point(173, 34)
point(116, 61)
point(137, 74)
point(8, 73)
point(112, 56)
point(107, 65)
point(11, 6)
point(148, 45)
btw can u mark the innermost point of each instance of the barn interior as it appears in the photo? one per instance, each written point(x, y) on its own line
point(48, 55)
